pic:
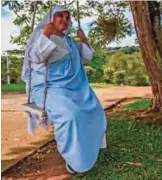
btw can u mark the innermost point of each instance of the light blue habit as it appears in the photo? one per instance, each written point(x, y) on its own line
point(73, 108)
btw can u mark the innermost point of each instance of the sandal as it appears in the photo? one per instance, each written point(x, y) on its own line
point(70, 169)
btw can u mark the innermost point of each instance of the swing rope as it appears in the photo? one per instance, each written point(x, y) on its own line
point(44, 113)
point(78, 15)
point(32, 28)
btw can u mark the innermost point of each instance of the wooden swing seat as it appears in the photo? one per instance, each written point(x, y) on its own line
point(32, 108)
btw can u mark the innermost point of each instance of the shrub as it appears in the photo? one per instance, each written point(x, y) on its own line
point(119, 77)
point(95, 69)
point(126, 69)
point(108, 74)
point(138, 80)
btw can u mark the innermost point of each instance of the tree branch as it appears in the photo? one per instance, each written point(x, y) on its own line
point(20, 16)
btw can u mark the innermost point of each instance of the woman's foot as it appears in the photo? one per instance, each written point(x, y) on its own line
point(70, 170)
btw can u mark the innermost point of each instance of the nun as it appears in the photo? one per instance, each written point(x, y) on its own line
point(72, 106)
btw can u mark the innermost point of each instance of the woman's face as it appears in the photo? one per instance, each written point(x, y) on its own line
point(61, 21)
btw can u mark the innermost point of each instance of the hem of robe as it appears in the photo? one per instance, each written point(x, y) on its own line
point(82, 170)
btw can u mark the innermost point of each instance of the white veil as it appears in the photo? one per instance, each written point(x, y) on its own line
point(35, 35)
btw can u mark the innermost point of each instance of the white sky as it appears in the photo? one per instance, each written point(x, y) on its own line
point(8, 29)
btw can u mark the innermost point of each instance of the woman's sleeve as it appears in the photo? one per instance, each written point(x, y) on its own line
point(86, 53)
point(41, 49)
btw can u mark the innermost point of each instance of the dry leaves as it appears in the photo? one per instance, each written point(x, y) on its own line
point(137, 164)
point(159, 160)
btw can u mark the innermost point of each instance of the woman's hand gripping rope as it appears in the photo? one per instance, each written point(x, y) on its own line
point(82, 37)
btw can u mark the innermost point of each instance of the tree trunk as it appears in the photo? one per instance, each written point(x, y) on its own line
point(146, 15)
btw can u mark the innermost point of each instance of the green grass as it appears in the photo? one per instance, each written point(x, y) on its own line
point(13, 88)
point(134, 152)
point(138, 105)
point(21, 87)
point(101, 85)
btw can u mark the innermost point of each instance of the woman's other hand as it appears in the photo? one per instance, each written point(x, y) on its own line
point(48, 29)
point(81, 35)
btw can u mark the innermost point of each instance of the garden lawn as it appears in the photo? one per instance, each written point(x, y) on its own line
point(138, 105)
point(21, 87)
point(101, 85)
point(12, 88)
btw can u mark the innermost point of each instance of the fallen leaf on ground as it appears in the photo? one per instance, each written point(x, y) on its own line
point(119, 170)
point(159, 160)
point(134, 163)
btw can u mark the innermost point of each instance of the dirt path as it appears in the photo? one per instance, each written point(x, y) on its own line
point(14, 137)
point(16, 143)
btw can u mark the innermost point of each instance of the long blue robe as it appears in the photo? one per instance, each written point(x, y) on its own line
point(73, 107)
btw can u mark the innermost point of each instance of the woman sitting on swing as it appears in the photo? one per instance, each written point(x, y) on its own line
point(71, 105)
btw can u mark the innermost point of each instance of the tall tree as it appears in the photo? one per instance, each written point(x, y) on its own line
point(147, 20)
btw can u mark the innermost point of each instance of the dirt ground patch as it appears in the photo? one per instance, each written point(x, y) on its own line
point(46, 163)
point(149, 117)
point(15, 141)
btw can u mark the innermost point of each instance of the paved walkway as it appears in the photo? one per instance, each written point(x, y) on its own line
point(16, 143)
